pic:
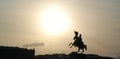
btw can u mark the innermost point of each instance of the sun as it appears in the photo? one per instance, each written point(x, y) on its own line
point(54, 20)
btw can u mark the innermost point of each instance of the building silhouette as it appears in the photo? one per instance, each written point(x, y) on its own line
point(16, 53)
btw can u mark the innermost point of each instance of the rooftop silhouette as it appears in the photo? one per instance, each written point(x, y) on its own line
point(16, 53)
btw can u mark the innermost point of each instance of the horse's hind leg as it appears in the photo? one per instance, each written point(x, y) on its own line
point(78, 49)
point(82, 50)
point(85, 47)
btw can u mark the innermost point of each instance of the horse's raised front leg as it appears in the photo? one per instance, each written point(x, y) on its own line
point(71, 45)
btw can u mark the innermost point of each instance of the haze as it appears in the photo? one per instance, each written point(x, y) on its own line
point(97, 20)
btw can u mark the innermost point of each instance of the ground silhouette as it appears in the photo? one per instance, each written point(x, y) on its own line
point(73, 55)
point(22, 53)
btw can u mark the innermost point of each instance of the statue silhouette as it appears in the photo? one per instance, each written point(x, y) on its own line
point(78, 42)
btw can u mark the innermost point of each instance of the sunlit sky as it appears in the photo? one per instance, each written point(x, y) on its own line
point(29, 21)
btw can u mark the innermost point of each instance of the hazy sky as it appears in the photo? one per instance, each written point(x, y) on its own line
point(97, 20)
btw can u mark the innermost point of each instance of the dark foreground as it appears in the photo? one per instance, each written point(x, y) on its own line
point(72, 55)
point(21, 53)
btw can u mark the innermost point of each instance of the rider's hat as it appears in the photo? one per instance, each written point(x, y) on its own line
point(76, 32)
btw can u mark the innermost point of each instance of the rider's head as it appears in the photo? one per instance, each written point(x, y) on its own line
point(76, 33)
point(80, 35)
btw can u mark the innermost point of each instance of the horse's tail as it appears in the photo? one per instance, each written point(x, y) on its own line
point(85, 47)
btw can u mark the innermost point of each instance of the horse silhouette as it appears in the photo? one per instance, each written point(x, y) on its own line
point(83, 47)
point(78, 43)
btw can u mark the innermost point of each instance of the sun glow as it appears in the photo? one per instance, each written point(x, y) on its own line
point(54, 20)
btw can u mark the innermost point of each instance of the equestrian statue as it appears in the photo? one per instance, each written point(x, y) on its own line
point(78, 42)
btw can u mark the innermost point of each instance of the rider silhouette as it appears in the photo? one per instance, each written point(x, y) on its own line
point(76, 35)
point(75, 38)
point(78, 40)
